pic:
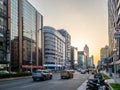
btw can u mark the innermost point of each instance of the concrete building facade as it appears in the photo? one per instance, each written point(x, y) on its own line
point(114, 36)
point(67, 37)
point(54, 44)
point(86, 56)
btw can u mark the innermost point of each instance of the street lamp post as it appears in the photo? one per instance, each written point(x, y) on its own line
point(31, 52)
point(114, 59)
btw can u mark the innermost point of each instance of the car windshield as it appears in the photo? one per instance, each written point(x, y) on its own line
point(64, 71)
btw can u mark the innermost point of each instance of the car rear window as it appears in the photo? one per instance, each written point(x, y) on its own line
point(38, 71)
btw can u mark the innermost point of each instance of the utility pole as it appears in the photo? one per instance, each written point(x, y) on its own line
point(31, 52)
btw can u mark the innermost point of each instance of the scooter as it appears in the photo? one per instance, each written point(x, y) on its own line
point(97, 84)
point(92, 84)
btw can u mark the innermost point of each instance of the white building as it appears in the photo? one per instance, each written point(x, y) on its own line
point(54, 44)
point(67, 46)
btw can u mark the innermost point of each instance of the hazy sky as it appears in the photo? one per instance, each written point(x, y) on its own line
point(84, 20)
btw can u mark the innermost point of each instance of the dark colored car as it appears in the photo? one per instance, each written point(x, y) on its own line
point(41, 75)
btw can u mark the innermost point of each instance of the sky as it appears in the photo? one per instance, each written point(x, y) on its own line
point(85, 20)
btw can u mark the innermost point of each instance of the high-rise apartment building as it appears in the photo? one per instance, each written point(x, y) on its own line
point(67, 46)
point(25, 42)
point(86, 55)
point(54, 44)
point(112, 23)
point(80, 59)
point(74, 57)
point(114, 38)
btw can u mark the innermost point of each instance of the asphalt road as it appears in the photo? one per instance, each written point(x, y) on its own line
point(55, 84)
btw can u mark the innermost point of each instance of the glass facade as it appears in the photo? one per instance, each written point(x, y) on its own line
point(3, 30)
point(14, 34)
point(29, 32)
point(26, 32)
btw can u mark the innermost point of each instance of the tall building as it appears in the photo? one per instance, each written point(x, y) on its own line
point(80, 59)
point(104, 54)
point(112, 19)
point(113, 33)
point(54, 44)
point(89, 62)
point(67, 46)
point(74, 57)
point(3, 33)
point(24, 35)
point(92, 58)
point(86, 55)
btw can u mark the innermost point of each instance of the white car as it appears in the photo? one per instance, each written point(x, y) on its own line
point(41, 75)
point(3, 72)
point(83, 71)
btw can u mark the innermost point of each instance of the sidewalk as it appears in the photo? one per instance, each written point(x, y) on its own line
point(113, 78)
point(14, 78)
point(84, 85)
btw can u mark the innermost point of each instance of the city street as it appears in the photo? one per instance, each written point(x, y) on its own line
point(55, 84)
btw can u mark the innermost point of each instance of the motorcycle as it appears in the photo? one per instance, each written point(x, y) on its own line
point(97, 83)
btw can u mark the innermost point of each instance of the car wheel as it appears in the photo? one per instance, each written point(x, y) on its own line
point(50, 77)
point(43, 78)
point(34, 79)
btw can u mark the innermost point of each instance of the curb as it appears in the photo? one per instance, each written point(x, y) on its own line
point(83, 86)
point(110, 87)
point(16, 78)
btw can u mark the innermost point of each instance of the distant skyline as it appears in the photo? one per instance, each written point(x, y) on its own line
point(85, 20)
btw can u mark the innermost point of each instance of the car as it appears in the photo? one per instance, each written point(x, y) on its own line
point(4, 72)
point(13, 72)
point(79, 70)
point(83, 71)
point(41, 75)
point(66, 74)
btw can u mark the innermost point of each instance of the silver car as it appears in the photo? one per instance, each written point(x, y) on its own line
point(41, 75)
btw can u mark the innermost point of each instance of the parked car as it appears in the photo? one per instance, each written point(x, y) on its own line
point(41, 75)
point(66, 74)
point(3, 72)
